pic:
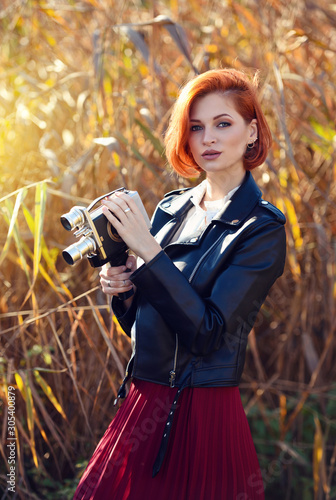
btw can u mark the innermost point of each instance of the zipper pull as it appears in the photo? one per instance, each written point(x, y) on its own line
point(172, 376)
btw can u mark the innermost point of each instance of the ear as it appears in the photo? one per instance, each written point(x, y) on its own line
point(253, 130)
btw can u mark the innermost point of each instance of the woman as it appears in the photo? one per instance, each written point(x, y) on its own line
point(205, 269)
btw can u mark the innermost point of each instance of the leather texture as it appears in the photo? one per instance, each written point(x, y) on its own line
point(198, 299)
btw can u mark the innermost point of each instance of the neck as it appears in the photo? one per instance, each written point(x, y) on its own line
point(219, 186)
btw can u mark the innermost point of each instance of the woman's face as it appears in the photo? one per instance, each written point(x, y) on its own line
point(218, 134)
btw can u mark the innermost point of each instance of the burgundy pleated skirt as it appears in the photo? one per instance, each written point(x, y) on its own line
point(210, 454)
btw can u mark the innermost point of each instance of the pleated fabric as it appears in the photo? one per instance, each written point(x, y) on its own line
point(210, 455)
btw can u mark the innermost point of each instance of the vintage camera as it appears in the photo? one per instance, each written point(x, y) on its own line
point(99, 241)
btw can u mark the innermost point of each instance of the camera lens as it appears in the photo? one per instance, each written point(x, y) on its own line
point(72, 219)
point(65, 223)
point(77, 251)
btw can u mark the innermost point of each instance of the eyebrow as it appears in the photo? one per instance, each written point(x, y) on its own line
point(214, 118)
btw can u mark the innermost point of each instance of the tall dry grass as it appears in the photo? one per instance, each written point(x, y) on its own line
point(85, 94)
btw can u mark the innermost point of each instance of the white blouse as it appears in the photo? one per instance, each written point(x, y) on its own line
point(197, 217)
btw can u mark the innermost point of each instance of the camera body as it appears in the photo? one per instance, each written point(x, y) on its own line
point(98, 239)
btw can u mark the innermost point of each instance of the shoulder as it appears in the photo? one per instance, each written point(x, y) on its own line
point(176, 192)
point(170, 198)
point(272, 210)
point(164, 207)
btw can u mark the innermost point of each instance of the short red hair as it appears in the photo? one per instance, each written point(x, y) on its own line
point(243, 92)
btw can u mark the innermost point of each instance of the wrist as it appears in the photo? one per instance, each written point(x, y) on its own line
point(150, 252)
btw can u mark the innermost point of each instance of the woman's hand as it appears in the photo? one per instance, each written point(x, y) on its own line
point(115, 280)
point(123, 213)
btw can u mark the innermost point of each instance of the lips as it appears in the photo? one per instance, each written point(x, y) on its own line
point(211, 154)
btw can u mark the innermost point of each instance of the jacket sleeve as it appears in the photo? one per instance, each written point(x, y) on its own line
point(125, 318)
point(205, 323)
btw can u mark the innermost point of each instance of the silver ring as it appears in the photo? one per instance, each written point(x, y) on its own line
point(127, 210)
point(109, 284)
point(124, 282)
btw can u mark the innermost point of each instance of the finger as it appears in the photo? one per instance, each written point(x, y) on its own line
point(115, 287)
point(107, 287)
point(117, 218)
point(112, 212)
point(131, 263)
point(109, 272)
point(132, 205)
point(126, 199)
point(118, 205)
point(116, 282)
point(108, 291)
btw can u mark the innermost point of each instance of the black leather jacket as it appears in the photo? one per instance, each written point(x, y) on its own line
point(197, 300)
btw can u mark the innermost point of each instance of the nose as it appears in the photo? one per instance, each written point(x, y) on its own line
point(208, 137)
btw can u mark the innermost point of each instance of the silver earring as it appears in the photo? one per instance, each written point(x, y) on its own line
point(251, 144)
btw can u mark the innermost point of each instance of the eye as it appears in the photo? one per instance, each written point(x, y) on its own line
point(195, 128)
point(224, 124)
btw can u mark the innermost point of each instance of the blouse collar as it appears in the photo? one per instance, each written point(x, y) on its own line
point(215, 205)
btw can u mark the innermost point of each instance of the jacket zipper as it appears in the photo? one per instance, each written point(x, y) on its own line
point(172, 373)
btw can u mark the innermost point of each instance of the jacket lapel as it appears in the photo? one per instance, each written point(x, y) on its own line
point(164, 235)
point(177, 207)
point(235, 211)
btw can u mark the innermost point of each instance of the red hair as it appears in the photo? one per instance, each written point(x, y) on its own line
point(242, 90)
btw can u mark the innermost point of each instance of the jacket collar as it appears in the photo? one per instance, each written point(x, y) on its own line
point(233, 213)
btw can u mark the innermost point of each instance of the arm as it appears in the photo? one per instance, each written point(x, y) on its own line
point(125, 316)
point(115, 280)
point(127, 219)
point(236, 297)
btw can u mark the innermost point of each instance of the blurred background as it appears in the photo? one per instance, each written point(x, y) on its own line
point(86, 89)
